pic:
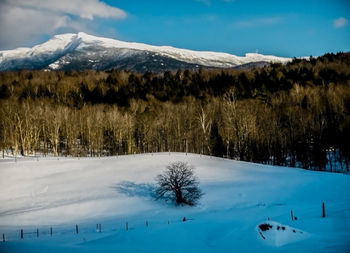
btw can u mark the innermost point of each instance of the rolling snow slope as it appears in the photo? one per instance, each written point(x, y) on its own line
point(79, 51)
point(238, 197)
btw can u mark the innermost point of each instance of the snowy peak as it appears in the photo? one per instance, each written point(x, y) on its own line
point(40, 56)
point(58, 43)
point(198, 57)
point(83, 51)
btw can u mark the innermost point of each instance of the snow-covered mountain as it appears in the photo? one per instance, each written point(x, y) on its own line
point(82, 51)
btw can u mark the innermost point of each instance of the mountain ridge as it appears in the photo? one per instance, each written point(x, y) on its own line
point(81, 51)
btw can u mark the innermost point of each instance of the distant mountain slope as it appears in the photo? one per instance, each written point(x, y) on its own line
point(82, 51)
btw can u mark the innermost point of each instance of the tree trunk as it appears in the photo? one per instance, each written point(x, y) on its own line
point(179, 198)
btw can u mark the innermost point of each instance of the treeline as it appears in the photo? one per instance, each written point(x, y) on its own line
point(296, 114)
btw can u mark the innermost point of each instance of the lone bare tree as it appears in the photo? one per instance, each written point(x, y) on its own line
point(178, 183)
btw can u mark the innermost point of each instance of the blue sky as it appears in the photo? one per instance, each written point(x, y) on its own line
point(283, 28)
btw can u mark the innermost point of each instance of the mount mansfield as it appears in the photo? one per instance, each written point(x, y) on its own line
point(82, 51)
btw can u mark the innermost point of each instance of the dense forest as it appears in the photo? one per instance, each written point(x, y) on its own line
point(296, 114)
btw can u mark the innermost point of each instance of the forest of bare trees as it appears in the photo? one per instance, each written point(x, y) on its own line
point(294, 115)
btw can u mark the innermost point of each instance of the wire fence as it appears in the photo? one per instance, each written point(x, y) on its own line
point(86, 229)
point(63, 232)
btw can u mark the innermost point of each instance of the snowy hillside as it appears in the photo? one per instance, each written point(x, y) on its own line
point(238, 198)
point(83, 51)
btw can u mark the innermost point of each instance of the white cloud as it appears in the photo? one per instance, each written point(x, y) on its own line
point(23, 22)
point(83, 8)
point(340, 22)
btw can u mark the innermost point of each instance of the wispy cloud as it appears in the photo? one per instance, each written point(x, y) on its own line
point(208, 2)
point(257, 22)
point(28, 20)
point(340, 22)
point(199, 19)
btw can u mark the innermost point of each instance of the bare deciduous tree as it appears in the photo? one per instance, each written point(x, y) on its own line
point(178, 183)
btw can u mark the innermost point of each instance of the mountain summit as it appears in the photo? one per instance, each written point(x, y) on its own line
point(82, 51)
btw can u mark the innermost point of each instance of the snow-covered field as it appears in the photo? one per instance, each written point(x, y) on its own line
point(111, 191)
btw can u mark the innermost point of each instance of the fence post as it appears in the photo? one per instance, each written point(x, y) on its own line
point(127, 226)
point(99, 228)
point(21, 233)
point(3, 237)
point(168, 222)
point(37, 232)
point(323, 211)
point(76, 229)
point(146, 223)
point(291, 213)
point(51, 231)
point(96, 226)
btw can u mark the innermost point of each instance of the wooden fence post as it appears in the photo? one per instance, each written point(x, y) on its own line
point(3, 237)
point(21, 233)
point(127, 226)
point(51, 231)
point(323, 211)
point(99, 228)
point(146, 223)
point(37, 232)
point(76, 229)
point(291, 213)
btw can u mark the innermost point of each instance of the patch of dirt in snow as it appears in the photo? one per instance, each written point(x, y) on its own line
point(276, 234)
